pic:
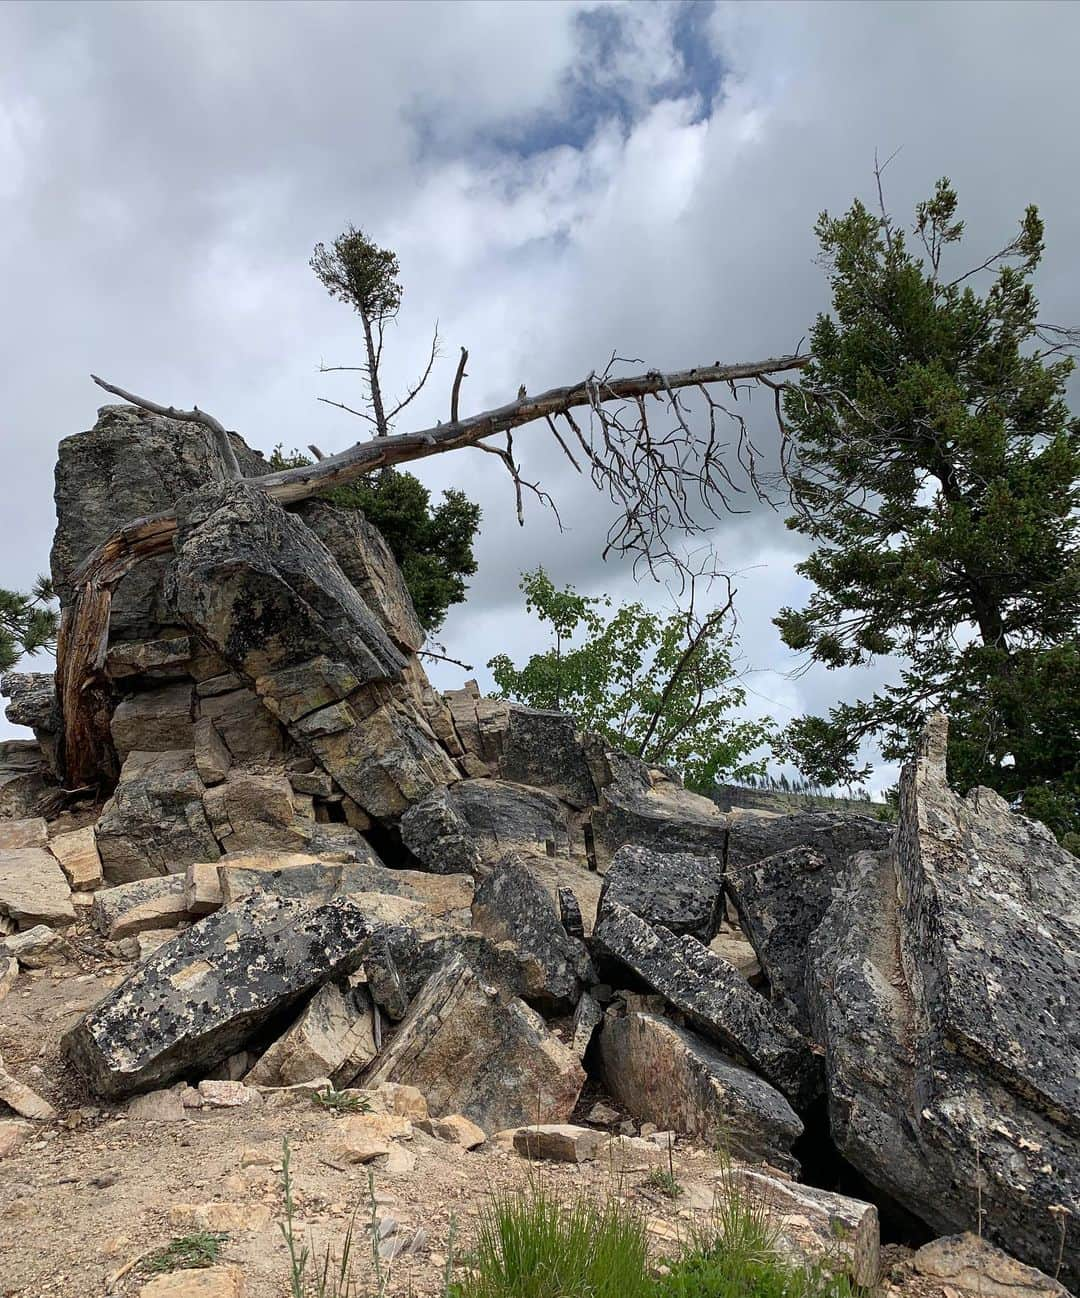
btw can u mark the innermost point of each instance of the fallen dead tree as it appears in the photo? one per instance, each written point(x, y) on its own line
point(666, 482)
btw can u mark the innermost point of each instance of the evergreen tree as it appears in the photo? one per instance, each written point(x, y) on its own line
point(941, 487)
point(27, 625)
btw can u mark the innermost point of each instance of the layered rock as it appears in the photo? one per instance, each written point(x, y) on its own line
point(511, 906)
point(944, 981)
point(715, 999)
point(683, 892)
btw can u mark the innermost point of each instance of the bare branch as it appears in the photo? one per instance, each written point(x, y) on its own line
point(445, 658)
point(362, 414)
point(423, 378)
point(195, 416)
point(456, 389)
point(315, 451)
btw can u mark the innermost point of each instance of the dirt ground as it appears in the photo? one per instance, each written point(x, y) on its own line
point(93, 1190)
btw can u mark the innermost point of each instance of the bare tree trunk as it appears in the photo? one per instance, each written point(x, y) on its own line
point(381, 427)
point(649, 476)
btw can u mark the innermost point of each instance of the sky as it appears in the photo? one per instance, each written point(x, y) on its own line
point(559, 180)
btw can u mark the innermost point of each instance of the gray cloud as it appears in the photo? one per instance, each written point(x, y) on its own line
point(559, 181)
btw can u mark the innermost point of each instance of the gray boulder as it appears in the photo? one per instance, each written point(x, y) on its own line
point(511, 905)
point(943, 982)
point(470, 1051)
point(714, 997)
point(683, 892)
point(664, 1074)
point(155, 822)
point(131, 463)
point(204, 995)
point(649, 808)
point(266, 593)
point(542, 749)
point(834, 835)
point(781, 900)
point(27, 783)
point(476, 822)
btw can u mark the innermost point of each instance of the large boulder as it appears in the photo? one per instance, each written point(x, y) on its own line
point(543, 749)
point(944, 982)
point(469, 1051)
point(650, 808)
point(715, 998)
point(206, 994)
point(665, 1074)
point(511, 905)
point(683, 892)
point(259, 586)
point(27, 783)
point(474, 823)
point(834, 835)
point(781, 900)
point(131, 463)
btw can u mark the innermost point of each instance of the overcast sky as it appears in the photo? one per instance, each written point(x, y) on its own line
point(558, 179)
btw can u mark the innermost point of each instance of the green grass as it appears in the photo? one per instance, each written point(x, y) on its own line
point(200, 1249)
point(664, 1182)
point(532, 1246)
point(341, 1101)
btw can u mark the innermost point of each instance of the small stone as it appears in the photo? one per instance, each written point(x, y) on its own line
point(662, 1139)
point(602, 1114)
point(202, 888)
point(13, 1134)
point(9, 971)
point(258, 1158)
point(39, 947)
point(456, 1129)
point(157, 1106)
point(33, 889)
point(561, 1142)
point(647, 1129)
point(397, 1097)
point(227, 1095)
point(369, 1135)
point(974, 1264)
point(18, 1096)
point(131, 908)
point(399, 1161)
point(228, 1216)
point(78, 856)
point(211, 1282)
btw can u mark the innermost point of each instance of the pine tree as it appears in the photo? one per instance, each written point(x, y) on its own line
point(941, 487)
point(27, 625)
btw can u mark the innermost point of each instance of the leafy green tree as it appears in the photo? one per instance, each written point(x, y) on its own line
point(27, 624)
point(433, 545)
point(940, 484)
point(661, 686)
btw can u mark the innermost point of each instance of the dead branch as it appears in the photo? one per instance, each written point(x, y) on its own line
point(444, 658)
point(638, 444)
point(456, 389)
point(422, 379)
point(195, 416)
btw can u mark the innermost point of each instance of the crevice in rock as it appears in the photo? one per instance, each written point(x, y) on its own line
point(826, 1168)
point(390, 849)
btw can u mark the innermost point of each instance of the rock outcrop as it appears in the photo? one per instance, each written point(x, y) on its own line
point(320, 868)
point(944, 983)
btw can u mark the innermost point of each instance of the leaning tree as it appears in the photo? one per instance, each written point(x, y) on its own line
point(652, 442)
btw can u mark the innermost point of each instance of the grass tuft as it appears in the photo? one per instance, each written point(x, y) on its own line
point(664, 1182)
point(188, 1251)
point(341, 1101)
point(532, 1246)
